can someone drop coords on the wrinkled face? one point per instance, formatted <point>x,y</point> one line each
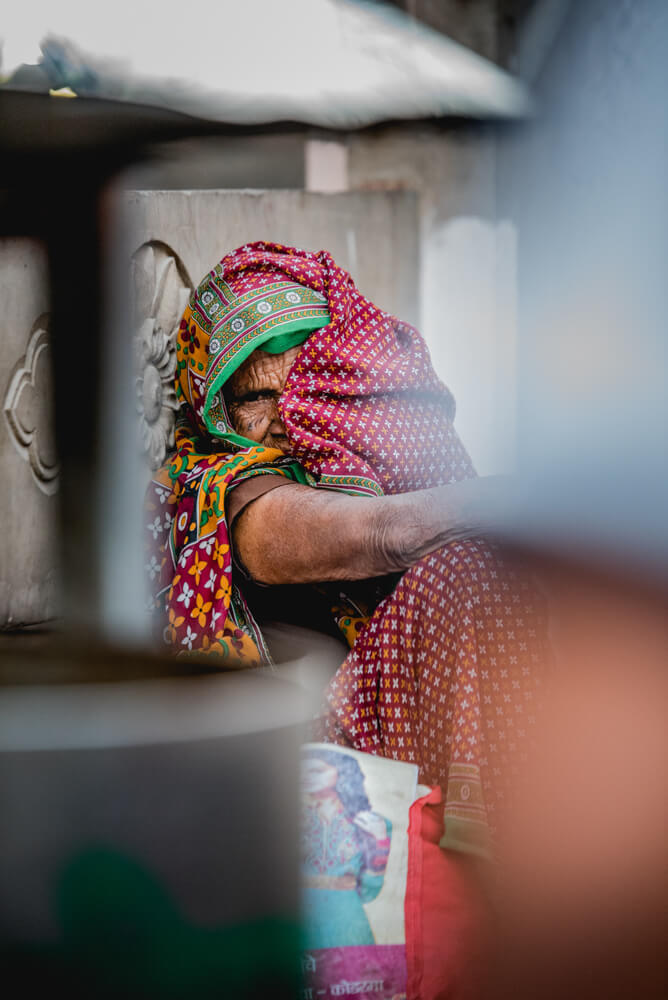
<point>252,395</point>
<point>318,776</point>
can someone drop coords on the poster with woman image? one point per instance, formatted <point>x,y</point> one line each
<point>354,856</point>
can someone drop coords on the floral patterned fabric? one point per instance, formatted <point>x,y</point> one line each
<point>447,675</point>
<point>197,605</point>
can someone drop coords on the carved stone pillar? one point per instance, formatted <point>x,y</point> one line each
<point>160,287</point>
<point>29,476</point>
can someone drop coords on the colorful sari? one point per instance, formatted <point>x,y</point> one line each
<point>443,671</point>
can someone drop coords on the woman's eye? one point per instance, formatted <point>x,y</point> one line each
<point>253,397</point>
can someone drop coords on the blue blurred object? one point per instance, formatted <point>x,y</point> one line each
<point>585,182</point>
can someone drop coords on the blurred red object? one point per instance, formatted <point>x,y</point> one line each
<point>584,854</point>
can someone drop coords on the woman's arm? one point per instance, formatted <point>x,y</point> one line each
<point>298,534</point>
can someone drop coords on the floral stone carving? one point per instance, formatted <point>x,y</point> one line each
<point>161,288</point>
<point>28,408</point>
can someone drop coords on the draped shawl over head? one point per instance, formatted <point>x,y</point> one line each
<point>362,408</point>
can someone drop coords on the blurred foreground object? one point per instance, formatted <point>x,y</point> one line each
<point>584,902</point>
<point>77,145</point>
<point>585,184</point>
<point>332,63</point>
<point>149,846</point>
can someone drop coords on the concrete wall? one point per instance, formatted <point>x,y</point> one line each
<point>467,282</point>
<point>259,161</point>
<point>374,235</point>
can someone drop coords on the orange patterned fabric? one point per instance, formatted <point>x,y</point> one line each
<point>198,607</point>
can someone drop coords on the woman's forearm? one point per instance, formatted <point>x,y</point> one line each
<point>408,526</point>
<point>297,534</point>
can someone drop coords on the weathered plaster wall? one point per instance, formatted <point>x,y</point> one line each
<point>374,235</point>
<point>467,280</point>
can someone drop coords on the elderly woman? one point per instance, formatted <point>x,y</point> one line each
<point>318,479</point>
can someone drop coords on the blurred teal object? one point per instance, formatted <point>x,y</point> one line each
<point>149,840</point>
<point>124,935</point>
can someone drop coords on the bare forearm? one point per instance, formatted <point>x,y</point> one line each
<point>407,527</point>
<point>297,534</point>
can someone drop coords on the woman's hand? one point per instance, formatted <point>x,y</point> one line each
<point>371,822</point>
